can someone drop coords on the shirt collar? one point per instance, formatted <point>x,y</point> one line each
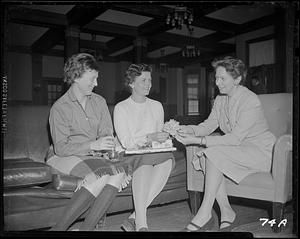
<point>72,96</point>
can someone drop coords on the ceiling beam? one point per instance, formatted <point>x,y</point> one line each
<point>117,44</point>
<point>258,23</point>
<point>111,29</point>
<point>155,46</point>
<point>150,48</point>
<point>33,17</point>
<point>181,41</point>
<point>48,40</point>
<point>89,44</point>
<point>214,24</point>
<point>159,14</point>
<point>209,41</point>
<point>127,56</point>
<point>41,18</point>
<point>79,15</point>
<point>83,14</point>
<point>212,39</point>
<point>148,10</point>
<point>153,27</point>
<point>221,47</point>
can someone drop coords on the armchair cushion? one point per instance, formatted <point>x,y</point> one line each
<point>24,172</point>
<point>278,111</point>
<point>264,180</point>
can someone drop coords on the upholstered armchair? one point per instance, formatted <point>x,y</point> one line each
<point>274,186</point>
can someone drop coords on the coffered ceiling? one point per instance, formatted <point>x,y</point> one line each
<point>41,28</point>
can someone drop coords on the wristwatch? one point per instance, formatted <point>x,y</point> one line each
<point>203,141</point>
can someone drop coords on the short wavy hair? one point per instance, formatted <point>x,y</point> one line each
<point>234,66</point>
<point>77,64</point>
<point>133,71</point>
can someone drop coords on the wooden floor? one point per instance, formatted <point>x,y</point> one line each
<point>174,217</point>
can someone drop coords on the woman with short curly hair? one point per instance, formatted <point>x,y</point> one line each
<point>77,65</point>
<point>244,148</point>
<point>80,124</point>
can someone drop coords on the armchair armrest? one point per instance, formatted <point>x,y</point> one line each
<point>195,179</point>
<point>282,168</point>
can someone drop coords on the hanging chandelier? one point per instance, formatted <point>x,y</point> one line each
<point>191,50</point>
<point>180,16</point>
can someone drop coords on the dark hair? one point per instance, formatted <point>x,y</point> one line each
<point>234,66</point>
<point>77,64</point>
<point>133,71</point>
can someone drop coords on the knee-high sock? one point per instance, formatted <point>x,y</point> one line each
<point>80,202</point>
<point>100,206</point>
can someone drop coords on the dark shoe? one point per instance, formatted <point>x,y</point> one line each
<point>232,225</point>
<point>206,227</point>
<point>128,225</point>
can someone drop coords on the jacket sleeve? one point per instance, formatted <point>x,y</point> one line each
<point>247,115</point>
<point>210,124</point>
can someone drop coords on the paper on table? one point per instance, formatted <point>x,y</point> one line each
<point>149,150</point>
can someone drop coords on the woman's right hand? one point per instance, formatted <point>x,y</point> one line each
<point>103,143</point>
<point>185,130</point>
<point>158,136</point>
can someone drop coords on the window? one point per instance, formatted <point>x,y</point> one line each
<point>193,94</point>
<point>54,92</point>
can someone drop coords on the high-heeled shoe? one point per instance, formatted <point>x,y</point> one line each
<point>232,225</point>
<point>206,227</point>
<point>128,225</point>
<point>143,229</point>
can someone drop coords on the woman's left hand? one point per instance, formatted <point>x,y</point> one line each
<point>188,139</point>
